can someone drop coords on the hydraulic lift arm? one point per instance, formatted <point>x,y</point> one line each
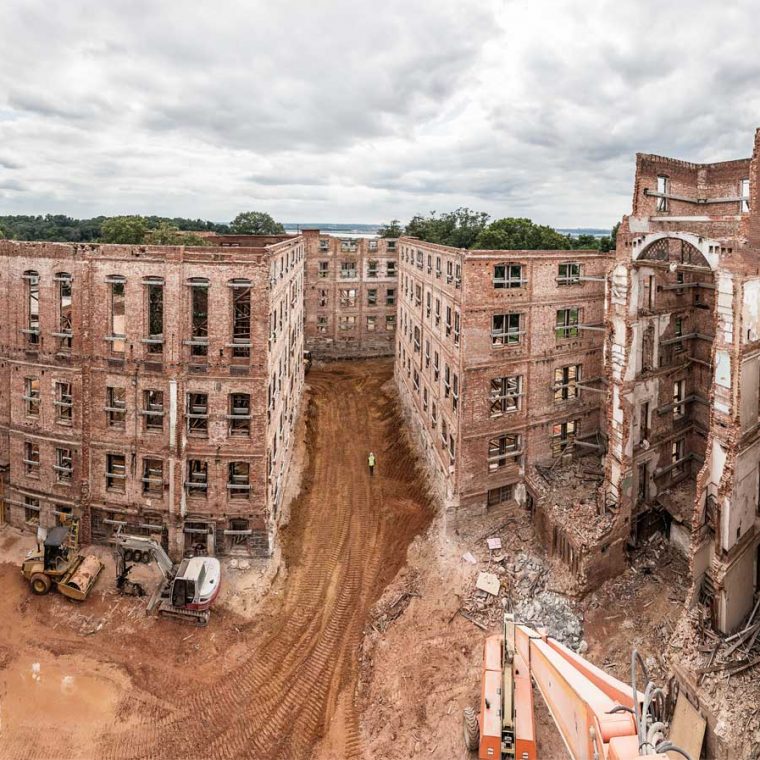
<point>598,716</point>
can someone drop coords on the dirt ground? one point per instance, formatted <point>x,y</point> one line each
<point>415,709</point>
<point>100,680</point>
<point>358,650</point>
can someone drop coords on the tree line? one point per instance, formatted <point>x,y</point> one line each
<point>464,228</point>
<point>132,229</point>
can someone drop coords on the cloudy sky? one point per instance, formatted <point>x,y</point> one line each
<point>361,111</point>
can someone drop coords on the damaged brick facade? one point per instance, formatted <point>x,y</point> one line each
<point>351,295</point>
<point>151,387</point>
<point>499,365</point>
<point>683,342</point>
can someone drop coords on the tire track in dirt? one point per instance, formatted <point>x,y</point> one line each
<point>347,538</point>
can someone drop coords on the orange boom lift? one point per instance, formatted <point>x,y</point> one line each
<point>598,716</point>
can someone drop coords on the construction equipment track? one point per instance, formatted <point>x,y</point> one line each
<point>347,538</point>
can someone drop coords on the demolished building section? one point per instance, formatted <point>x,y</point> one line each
<point>351,295</point>
<point>151,387</point>
<point>683,366</point>
<point>499,365</point>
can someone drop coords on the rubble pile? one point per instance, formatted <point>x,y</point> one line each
<point>727,670</point>
<point>522,589</point>
<point>569,492</point>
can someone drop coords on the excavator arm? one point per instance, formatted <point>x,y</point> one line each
<point>598,716</point>
<point>124,541</point>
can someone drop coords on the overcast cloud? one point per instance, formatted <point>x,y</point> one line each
<point>359,111</point>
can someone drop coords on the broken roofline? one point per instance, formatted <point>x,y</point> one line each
<point>507,253</point>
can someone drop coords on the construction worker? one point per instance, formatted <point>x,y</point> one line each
<point>371,461</point>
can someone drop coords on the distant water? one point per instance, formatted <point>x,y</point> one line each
<point>371,229</point>
<point>342,229</point>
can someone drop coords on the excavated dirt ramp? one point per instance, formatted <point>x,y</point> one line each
<point>276,687</point>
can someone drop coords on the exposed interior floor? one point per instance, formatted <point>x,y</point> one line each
<point>100,680</point>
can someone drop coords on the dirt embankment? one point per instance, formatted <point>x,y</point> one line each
<point>110,683</point>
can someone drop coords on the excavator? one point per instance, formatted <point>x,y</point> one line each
<point>186,591</point>
<point>598,716</point>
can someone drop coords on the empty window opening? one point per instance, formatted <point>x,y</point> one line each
<point>199,317</point>
<point>500,495</point>
<point>116,406</point>
<point>64,312</point>
<point>508,276</point>
<point>348,270</point>
<point>31,459</point>
<point>566,381</point>
<point>155,344</point>
<point>32,330</point>
<point>197,477</point>
<point>31,511</point>
<point>679,409</point>
<point>64,404</point>
<point>502,450</point>
<point>197,414</point>
<point>663,186</point>
<point>32,396</point>
<point>64,467</point>
<point>241,319</point>
<point>677,450</point>
<point>153,478</point>
<point>116,472</point>
<point>239,414</point>
<point>153,409</point>
<point>567,323</point>
<point>506,394</point>
<point>569,273</point>
<point>348,297</point>
<point>238,482</point>
<point>506,329</point>
<point>563,435</point>
<point>118,314</point>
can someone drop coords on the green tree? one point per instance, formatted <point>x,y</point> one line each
<point>124,229</point>
<point>514,233</point>
<point>459,228</point>
<point>392,230</point>
<point>2,234</point>
<point>167,234</point>
<point>255,223</point>
<point>609,243</point>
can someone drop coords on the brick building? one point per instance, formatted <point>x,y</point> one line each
<point>682,371</point>
<point>351,295</point>
<point>151,387</point>
<point>499,363</point>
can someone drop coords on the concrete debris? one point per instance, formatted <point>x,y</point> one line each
<point>469,557</point>
<point>489,583</point>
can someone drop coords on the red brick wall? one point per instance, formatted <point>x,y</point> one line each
<point>91,367</point>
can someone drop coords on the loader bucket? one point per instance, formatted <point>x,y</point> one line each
<point>82,577</point>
